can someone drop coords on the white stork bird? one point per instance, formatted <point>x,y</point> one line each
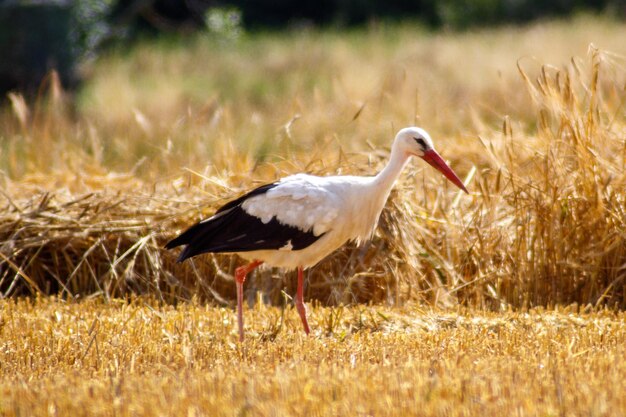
<point>297,221</point>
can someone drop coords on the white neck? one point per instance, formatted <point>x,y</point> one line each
<point>386,178</point>
<point>380,186</point>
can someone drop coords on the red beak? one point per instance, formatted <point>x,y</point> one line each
<point>433,158</point>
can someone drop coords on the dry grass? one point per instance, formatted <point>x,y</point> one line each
<point>164,133</point>
<point>142,358</point>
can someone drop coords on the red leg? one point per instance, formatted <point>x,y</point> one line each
<point>300,301</point>
<point>240,277</point>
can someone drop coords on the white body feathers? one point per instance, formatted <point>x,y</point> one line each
<point>337,208</point>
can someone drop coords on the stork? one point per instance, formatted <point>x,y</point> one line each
<point>297,221</point>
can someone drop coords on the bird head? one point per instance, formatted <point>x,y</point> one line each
<point>415,141</point>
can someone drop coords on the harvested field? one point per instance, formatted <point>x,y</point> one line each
<point>507,301</point>
<point>145,359</point>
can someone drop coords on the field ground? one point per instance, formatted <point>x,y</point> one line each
<point>140,358</point>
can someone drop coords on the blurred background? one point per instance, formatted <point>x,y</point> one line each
<point>39,35</point>
<point>124,121</point>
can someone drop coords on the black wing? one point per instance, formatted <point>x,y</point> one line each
<point>231,229</point>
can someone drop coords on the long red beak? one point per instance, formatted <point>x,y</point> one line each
<point>433,158</point>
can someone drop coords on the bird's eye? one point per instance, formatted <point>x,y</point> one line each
<point>420,142</point>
